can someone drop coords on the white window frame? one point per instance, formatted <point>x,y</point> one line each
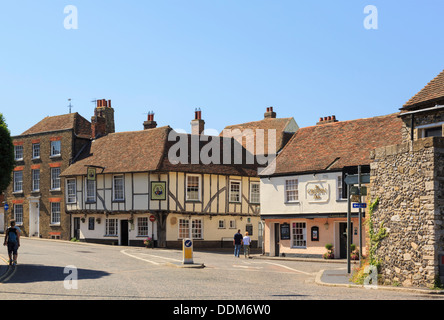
<point>190,228</point>
<point>142,225</point>
<point>71,190</point>
<point>56,146</point>
<point>116,189</point>
<point>199,188</point>
<point>235,196</point>
<point>302,242</point>
<point>55,213</point>
<point>295,184</point>
<point>55,179</point>
<point>18,152</point>
<point>90,198</point>
<point>232,224</point>
<point>18,181</point>
<point>36,151</point>
<point>253,196</point>
<point>221,224</point>
<point>18,214</point>
<point>35,177</point>
<point>111,227</point>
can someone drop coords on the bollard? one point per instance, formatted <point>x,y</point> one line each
<point>187,251</point>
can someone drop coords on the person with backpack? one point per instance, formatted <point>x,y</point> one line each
<point>12,240</point>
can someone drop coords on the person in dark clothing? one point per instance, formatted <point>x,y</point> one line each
<point>237,241</point>
<point>12,240</point>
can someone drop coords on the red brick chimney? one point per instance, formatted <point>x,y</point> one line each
<point>197,125</point>
<point>102,123</point>
<point>270,114</point>
<point>150,123</point>
<point>325,120</point>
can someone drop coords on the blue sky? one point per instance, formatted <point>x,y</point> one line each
<point>231,58</point>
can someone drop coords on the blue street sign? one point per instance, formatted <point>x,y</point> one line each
<point>188,243</point>
<point>359,205</point>
<point>6,207</point>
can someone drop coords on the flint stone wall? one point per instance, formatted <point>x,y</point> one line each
<point>408,179</point>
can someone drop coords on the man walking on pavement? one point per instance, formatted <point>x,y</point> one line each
<point>237,241</point>
<point>12,240</point>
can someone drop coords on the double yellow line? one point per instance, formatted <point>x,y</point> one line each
<point>9,273</point>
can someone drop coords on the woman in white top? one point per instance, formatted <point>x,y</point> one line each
<point>246,242</point>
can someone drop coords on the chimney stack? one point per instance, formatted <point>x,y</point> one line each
<point>325,120</point>
<point>150,123</point>
<point>102,123</point>
<point>270,114</point>
<point>197,125</point>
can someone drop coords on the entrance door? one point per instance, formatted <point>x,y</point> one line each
<point>276,239</point>
<point>343,239</point>
<point>76,223</point>
<point>34,213</point>
<point>124,232</point>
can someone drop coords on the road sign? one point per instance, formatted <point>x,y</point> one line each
<point>354,178</point>
<point>359,205</point>
<point>152,218</point>
<point>187,251</point>
<point>6,207</point>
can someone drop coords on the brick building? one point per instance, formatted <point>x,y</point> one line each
<point>36,194</point>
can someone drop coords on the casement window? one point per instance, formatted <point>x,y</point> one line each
<point>36,150</point>
<point>35,175</point>
<point>111,227</point>
<point>71,191</point>
<point>118,188</point>
<point>142,226</point>
<point>221,224</point>
<point>55,178</point>
<point>193,229</point>
<point>255,196</point>
<point>18,181</point>
<point>56,148</point>
<point>55,212</point>
<point>298,235</point>
<point>18,153</point>
<point>291,190</point>
<point>232,224</point>
<point>90,191</point>
<point>235,191</point>
<point>18,214</point>
<point>193,188</point>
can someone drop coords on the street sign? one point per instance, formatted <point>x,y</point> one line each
<point>359,205</point>
<point>152,218</point>
<point>354,178</point>
<point>6,207</point>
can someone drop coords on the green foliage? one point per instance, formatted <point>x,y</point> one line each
<point>7,161</point>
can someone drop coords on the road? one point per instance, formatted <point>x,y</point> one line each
<point>46,270</point>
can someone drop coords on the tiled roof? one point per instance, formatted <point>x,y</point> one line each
<point>146,150</point>
<point>136,151</point>
<point>81,126</point>
<point>278,124</point>
<point>334,146</point>
<point>433,91</point>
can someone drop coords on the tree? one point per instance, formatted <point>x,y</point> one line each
<point>7,160</point>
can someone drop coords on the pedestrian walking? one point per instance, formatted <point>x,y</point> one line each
<point>237,241</point>
<point>12,240</point>
<point>247,242</point>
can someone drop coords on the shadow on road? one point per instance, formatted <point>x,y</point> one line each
<point>29,273</point>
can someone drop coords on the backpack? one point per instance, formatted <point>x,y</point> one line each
<point>12,234</point>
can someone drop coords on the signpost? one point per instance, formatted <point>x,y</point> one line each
<point>6,207</point>
<point>357,193</point>
<point>152,219</point>
<point>187,251</point>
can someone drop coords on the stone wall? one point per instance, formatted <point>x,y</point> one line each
<point>408,179</point>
